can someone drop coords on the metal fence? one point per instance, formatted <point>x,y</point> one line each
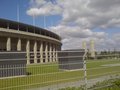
<point>50,76</point>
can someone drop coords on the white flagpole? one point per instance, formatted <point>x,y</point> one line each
<point>52,22</point>
<point>33,20</point>
<point>18,17</point>
<point>44,21</point>
<point>18,13</point>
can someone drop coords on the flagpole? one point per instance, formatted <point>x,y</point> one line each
<point>44,21</point>
<point>18,17</point>
<point>52,22</point>
<point>18,13</point>
<point>34,22</point>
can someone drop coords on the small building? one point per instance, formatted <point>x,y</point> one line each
<point>71,59</point>
<point>12,64</point>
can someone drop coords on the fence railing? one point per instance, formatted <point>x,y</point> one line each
<point>56,75</point>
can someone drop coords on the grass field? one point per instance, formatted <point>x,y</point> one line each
<point>47,74</point>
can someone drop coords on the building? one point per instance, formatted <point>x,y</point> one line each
<point>71,59</point>
<point>39,44</point>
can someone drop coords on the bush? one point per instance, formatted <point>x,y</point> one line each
<point>112,84</point>
<point>117,83</point>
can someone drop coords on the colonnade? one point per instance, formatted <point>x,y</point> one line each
<point>43,51</point>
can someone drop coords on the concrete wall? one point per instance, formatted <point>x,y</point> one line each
<point>12,64</point>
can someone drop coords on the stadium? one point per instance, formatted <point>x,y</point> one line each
<point>39,44</point>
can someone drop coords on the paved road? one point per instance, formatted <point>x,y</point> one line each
<point>75,84</point>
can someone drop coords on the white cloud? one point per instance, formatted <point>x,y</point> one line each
<point>42,7</point>
<point>73,36</point>
<point>79,18</point>
<point>72,31</point>
<point>104,5</point>
<point>92,13</point>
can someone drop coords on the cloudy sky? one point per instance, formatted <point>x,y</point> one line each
<point>74,20</point>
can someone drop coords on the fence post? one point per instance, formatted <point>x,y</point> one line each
<point>85,71</point>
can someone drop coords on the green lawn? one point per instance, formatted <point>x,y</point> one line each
<point>46,74</point>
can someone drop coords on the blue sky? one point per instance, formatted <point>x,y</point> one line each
<point>9,11</point>
<point>99,20</point>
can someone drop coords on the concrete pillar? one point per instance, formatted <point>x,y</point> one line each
<point>50,53</point>
<point>7,25</point>
<point>46,52</point>
<point>28,51</point>
<point>84,46</point>
<point>92,49</point>
<point>8,44</point>
<point>41,52</point>
<point>19,45</point>
<point>35,52</point>
<point>56,53</point>
<point>53,53</point>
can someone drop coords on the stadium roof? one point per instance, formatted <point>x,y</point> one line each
<point>4,23</point>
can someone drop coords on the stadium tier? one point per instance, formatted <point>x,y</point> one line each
<point>39,44</point>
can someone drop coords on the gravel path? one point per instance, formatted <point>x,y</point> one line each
<point>111,65</point>
<point>76,84</point>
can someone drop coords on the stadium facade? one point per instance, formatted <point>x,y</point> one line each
<point>40,45</point>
